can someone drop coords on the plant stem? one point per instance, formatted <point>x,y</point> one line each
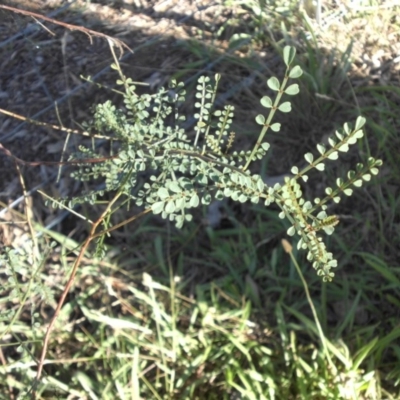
<point>269,119</point>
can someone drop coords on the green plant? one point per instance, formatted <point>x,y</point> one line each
<point>185,173</point>
<point>158,166</point>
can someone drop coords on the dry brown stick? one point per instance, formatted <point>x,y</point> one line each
<point>55,163</point>
<point>28,213</point>
<point>92,235</point>
<point>62,299</point>
<point>64,294</point>
<point>56,127</point>
<point>114,227</point>
<point>119,43</point>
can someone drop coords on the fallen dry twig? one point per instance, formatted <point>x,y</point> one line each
<point>119,43</point>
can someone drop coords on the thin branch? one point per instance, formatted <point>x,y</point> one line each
<point>56,127</point>
<point>55,163</point>
<point>119,43</point>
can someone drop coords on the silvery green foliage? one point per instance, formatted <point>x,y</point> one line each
<point>184,171</point>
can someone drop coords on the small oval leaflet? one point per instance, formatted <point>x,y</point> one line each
<point>276,127</point>
<point>321,149</point>
<point>333,156</point>
<point>273,83</point>
<point>359,123</point>
<point>296,72</point>
<point>157,207</point>
<point>292,89</point>
<point>260,119</point>
<point>265,146</point>
<point>366,177</point>
<point>266,102</point>
<point>289,53</point>
<point>194,200</point>
<point>163,193</point>
<point>170,207</point>
<point>285,107</point>
<point>309,157</point>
